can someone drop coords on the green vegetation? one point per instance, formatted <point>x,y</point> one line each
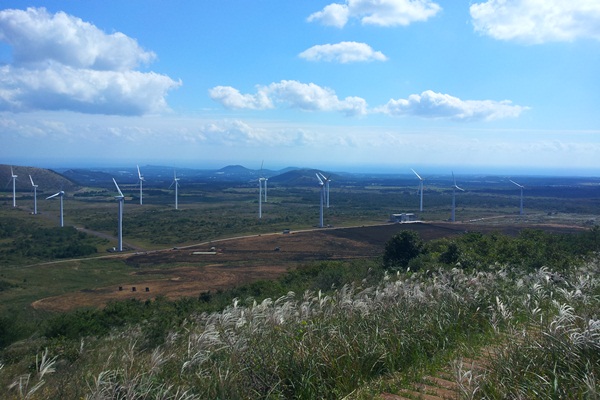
<point>323,330</point>
<point>333,328</point>
<point>26,241</point>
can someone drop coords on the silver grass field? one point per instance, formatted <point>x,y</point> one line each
<point>543,329</point>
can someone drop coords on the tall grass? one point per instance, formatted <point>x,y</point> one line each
<point>318,345</point>
<point>557,351</point>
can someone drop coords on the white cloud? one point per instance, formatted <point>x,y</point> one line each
<point>537,21</point>
<point>63,63</point>
<point>332,15</point>
<point>305,96</point>
<point>37,36</point>
<point>377,12</point>
<point>60,87</point>
<point>344,52</point>
<point>443,106</point>
<point>231,98</point>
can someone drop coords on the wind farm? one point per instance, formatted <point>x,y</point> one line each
<point>220,205</point>
<point>212,244</point>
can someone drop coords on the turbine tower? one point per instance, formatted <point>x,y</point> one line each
<point>34,195</point>
<point>60,194</point>
<point>141,180</point>
<point>176,184</point>
<point>266,180</point>
<point>261,179</point>
<point>322,196</point>
<point>522,187</point>
<point>260,196</point>
<point>121,199</point>
<point>326,180</point>
<point>452,216</point>
<point>420,188</point>
<point>14,180</point>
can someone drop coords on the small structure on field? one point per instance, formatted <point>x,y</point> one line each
<point>403,217</point>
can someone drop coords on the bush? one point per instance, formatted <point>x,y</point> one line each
<point>402,248</point>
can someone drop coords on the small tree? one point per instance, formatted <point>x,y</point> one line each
<point>402,248</point>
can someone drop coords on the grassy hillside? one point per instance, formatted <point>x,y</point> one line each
<point>340,329</point>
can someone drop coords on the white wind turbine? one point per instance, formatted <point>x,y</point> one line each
<point>322,196</point>
<point>60,194</point>
<point>121,199</point>
<point>176,184</point>
<point>261,179</point>
<point>522,187</point>
<point>266,180</point>
<point>14,181</point>
<point>34,195</point>
<point>452,216</point>
<point>420,188</point>
<point>326,180</point>
<point>141,180</point>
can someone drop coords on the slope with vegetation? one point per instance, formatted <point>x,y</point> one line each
<point>337,329</point>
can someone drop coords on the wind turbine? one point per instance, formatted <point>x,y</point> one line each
<point>14,180</point>
<point>522,187</point>
<point>141,180</point>
<point>176,184</point>
<point>34,195</point>
<point>261,179</point>
<point>452,217</point>
<point>327,180</point>
<point>266,180</point>
<point>322,195</point>
<point>420,188</point>
<point>121,199</point>
<point>60,194</point>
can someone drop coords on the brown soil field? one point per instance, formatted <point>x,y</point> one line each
<point>247,259</point>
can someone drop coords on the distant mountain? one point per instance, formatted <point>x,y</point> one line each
<point>301,177</point>
<point>234,169</point>
<point>46,179</point>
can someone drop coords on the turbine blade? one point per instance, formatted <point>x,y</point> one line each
<point>418,176</point>
<point>54,195</point>
<point>118,189</point>
<point>31,179</point>
<point>139,173</point>
<point>319,178</point>
<point>521,186</point>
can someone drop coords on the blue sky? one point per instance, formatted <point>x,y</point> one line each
<point>498,85</point>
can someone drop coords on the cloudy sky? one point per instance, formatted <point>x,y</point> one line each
<point>491,85</point>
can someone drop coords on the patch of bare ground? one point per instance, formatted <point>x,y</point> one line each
<point>176,283</point>
<point>247,259</point>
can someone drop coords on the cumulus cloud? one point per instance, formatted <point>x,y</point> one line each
<point>376,12</point>
<point>534,21</point>
<point>63,63</point>
<point>343,52</point>
<point>443,106</point>
<point>231,98</point>
<point>305,96</point>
